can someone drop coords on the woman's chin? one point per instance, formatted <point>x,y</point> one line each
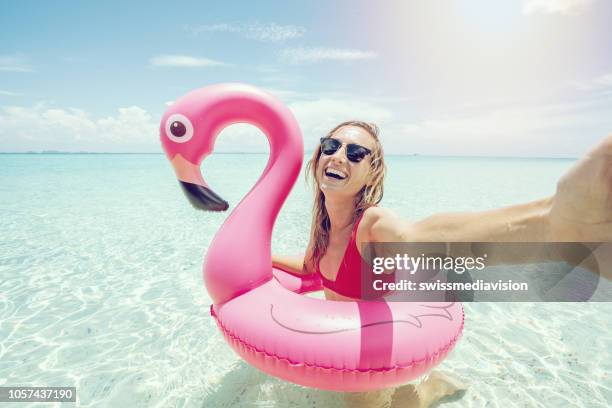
<point>336,190</point>
<point>332,186</point>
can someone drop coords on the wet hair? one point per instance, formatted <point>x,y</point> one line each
<point>371,194</point>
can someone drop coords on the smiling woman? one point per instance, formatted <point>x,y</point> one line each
<point>348,172</point>
<point>348,168</point>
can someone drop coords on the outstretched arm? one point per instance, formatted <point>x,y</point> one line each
<point>520,223</point>
<point>524,223</point>
<point>580,211</point>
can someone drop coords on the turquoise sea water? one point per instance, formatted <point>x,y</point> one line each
<point>101,286</point>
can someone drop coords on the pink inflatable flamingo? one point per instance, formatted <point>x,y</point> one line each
<point>341,346</point>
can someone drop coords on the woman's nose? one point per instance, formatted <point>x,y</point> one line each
<point>339,155</point>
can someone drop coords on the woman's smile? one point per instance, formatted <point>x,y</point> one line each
<point>333,177</point>
<point>335,173</point>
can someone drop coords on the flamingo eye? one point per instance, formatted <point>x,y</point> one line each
<point>179,128</point>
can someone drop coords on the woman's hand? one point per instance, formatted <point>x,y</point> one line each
<point>290,263</point>
<point>582,206</point>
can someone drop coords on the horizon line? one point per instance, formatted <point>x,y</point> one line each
<point>58,152</point>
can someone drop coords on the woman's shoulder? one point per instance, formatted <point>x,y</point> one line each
<point>374,218</point>
<point>374,214</point>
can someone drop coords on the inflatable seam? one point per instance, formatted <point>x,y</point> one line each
<point>435,356</point>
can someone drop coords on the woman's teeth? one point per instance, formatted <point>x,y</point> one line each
<point>337,174</point>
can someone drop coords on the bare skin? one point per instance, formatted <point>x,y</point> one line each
<point>435,387</point>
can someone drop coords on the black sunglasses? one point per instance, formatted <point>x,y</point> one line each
<point>354,152</point>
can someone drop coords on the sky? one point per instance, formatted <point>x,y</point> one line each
<point>529,78</point>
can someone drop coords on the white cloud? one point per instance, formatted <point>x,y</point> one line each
<point>269,32</point>
<point>132,124</point>
<point>515,129</point>
<point>8,93</point>
<point>315,117</point>
<point>594,84</point>
<point>43,128</point>
<point>274,32</point>
<point>242,138</point>
<point>544,130</point>
<point>10,63</point>
<point>184,61</point>
<point>555,6</point>
<point>221,27</point>
<point>316,54</point>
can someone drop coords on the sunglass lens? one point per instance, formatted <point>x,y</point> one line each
<point>329,146</point>
<point>355,153</point>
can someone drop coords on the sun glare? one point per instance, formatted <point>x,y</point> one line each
<point>490,16</point>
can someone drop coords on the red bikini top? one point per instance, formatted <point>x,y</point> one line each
<point>349,277</point>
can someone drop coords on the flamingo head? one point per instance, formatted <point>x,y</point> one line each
<point>187,136</point>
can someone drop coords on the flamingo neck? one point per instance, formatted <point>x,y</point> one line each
<point>239,257</point>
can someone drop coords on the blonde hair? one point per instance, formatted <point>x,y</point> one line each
<point>368,196</point>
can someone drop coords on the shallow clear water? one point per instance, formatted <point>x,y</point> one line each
<point>101,286</point>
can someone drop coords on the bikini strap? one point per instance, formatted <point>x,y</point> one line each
<point>356,226</point>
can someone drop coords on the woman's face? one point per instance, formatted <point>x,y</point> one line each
<point>336,173</point>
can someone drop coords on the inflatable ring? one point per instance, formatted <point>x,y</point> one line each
<point>341,346</point>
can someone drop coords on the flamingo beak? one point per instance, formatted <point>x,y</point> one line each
<point>196,190</point>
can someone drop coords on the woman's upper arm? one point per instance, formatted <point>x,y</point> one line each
<point>308,265</point>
